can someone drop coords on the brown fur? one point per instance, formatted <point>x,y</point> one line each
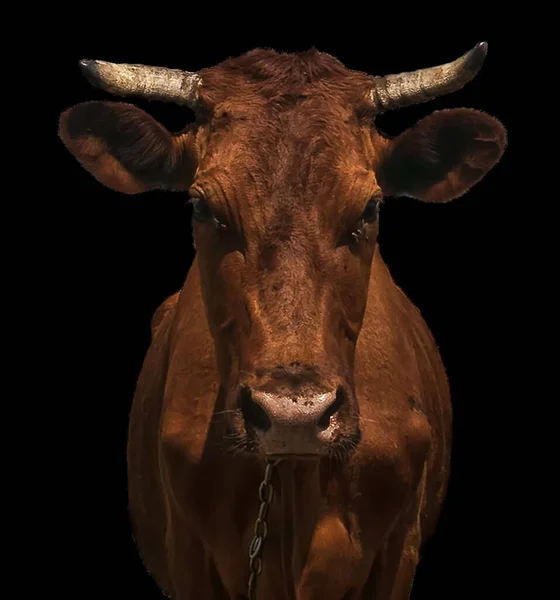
<point>286,154</point>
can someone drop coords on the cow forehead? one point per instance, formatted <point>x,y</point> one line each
<point>273,167</point>
<point>299,149</point>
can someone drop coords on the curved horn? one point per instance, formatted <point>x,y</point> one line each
<point>405,89</point>
<point>153,83</point>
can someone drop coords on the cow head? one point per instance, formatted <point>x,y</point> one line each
<point>286,172</point>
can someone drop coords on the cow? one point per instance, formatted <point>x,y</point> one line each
<point>290,433</point>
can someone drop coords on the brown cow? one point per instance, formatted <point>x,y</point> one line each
<point>289,341</point>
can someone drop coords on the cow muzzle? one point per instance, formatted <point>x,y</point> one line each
<point>302,424</point>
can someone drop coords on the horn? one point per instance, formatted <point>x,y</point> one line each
<point>153,83</point>
<point>405,89</point>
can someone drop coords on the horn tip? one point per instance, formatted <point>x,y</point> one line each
<point>481,48</point>
<point>90,71</point>
<point>86,63</point>
<point>475,57</point>
<point>479,52</point>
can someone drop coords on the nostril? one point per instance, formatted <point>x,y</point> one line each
<point>325,419</point>
<point>254,415</point>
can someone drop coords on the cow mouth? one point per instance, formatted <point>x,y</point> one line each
<point>337,450</point>
<point>294,456</point>
<point>241,441</point>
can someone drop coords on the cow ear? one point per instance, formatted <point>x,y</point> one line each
<point>443,155</point>
<point>125,148</point>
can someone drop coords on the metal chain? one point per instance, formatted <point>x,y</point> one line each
<point>266,491</point>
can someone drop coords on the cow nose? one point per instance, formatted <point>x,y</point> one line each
<point>291,423</point>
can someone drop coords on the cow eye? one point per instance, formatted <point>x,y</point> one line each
<point>370,212</point>
<point>201,209</point>
<point>368,216</point>
<point>203,213</point>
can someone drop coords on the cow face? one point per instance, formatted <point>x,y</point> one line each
<point>286,173</point>
<point>285,225</point>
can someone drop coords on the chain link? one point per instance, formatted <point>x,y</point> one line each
<point>266,492</point>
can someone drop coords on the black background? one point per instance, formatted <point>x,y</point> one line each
<point>120,256</point>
